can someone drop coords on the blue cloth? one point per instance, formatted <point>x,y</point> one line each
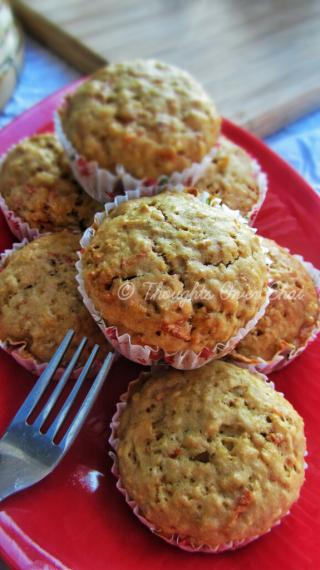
<point>299,144</point>
<point>44,73</point>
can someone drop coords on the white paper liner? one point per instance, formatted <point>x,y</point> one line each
<point>287,355</point>
<point>103,185</point>
<point>175,540</point>
<point>16,351</point>
<point>18,227</point>
<point>146,355</point>
<point>262,181</point>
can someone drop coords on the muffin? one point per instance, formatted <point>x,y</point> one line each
<point>235,178</point>
<point>147,116</point>
<point>209,458</point>
<point>160,270</point>
<point>37,185</point>
<point>290,319</point>
<point>39,300</point>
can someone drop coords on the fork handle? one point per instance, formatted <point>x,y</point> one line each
<point>15,473</point>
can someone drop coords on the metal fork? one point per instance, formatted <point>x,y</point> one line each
<point>27,455</point>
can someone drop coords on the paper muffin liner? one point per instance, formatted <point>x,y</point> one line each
<point>262,181</point>
<point>18,227</point>
<point>175,540</point>
<point>288,353</point>
<point>104,186</point>
<point>147,355</point>
<point>16,349</point>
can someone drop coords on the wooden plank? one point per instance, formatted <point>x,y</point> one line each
<point>260,60</point>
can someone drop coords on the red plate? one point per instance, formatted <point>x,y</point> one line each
<point>76,518</point>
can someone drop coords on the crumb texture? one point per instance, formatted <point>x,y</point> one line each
<point>292,314</point>
<point>213,455</point>
<point>191,269</point>
<point>38,186</point>
<point>231,177</point>
<point>39,299</point>
<point>148,116</point>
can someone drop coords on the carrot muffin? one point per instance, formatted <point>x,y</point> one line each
<point>175,273</point>
<point>39,299</point>
<point>292,315</point>
<point>36,183</point>
<point>148,116</point>
<point>212,457</point>
<point>232,176</point>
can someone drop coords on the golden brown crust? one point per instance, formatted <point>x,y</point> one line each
<point>148,116</point>
<point>38,186</point>
<point>231,177</point>
<point>39,300</point>
<point>292,314</point>
<point>178,257</point>
<point>213,455</point>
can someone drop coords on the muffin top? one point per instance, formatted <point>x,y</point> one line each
<point>213,455</point>
<point>292,314</point>
<point>37,184</point>
<point>39,299</point>
<point>231,176</point>
<point>148,116</point>
<point>174,272</point>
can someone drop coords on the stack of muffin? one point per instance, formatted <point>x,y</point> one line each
<point>208,454</point>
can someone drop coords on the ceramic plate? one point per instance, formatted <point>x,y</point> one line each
<point>76,518</point>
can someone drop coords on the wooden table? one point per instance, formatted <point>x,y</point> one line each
<point>259,59</point>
